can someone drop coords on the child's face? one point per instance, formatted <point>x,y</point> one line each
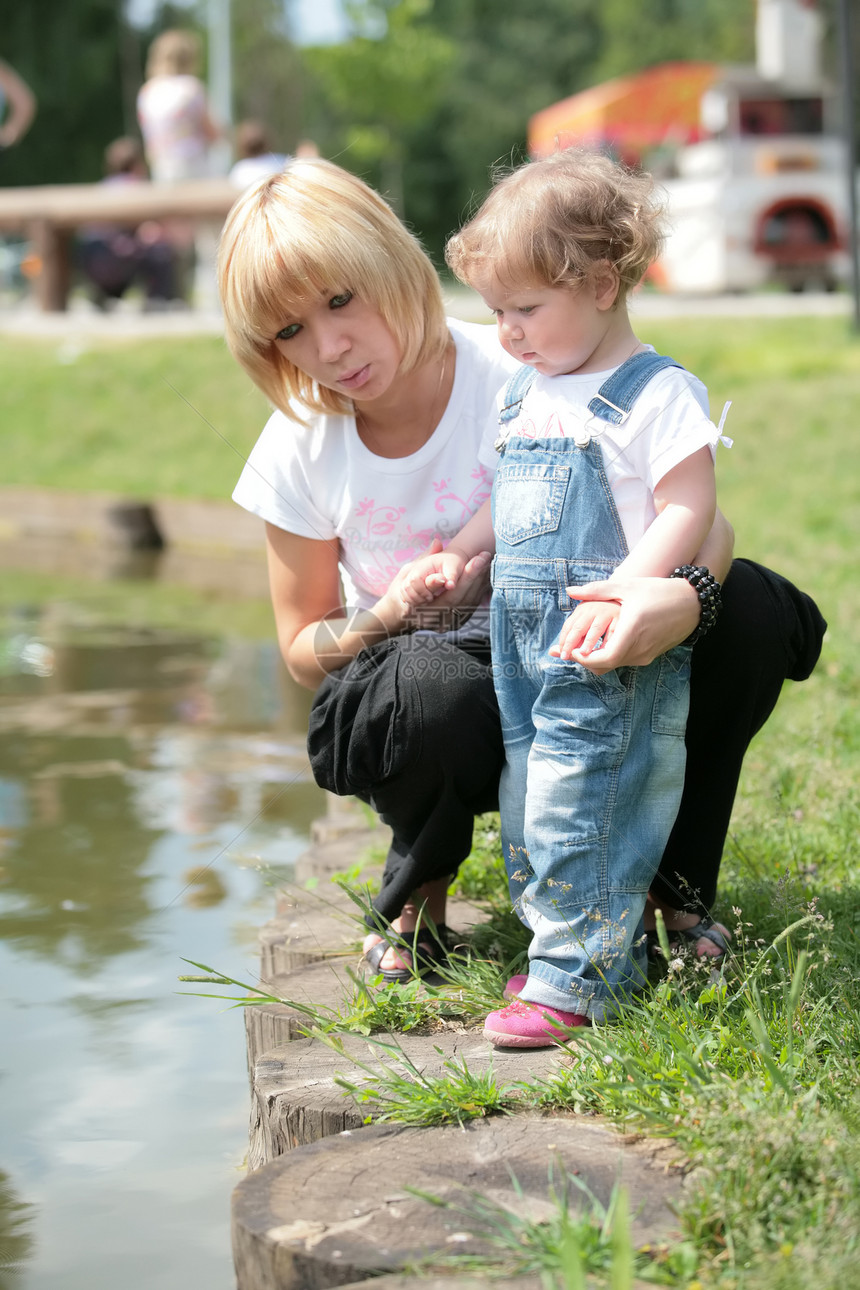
<point>343,343</point>
<point>556,330</point>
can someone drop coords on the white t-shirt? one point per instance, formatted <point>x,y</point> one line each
<point>669,421</point>
<point>320,481</point>
<point>248,170</point>
<point>172,113</point>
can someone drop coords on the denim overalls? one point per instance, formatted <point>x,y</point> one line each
<point>595,764</point>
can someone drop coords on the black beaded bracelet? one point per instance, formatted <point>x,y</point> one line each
<point>709,592</point>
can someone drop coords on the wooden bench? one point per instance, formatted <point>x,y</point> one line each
<point>49,214</point>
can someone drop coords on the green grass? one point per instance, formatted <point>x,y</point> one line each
<point>140,418</point>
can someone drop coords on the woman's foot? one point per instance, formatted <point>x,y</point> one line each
<point>711,940</point>
<point>400,956</point>
<point>393,958</point>
<point>425,910</point>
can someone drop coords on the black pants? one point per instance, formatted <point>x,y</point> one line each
<point>411,727</point>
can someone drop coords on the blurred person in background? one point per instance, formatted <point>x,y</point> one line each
<point>17,106</point>
<point>173,110</point>
<point>114,257</point>
<point>255,157</point>
<point>178,131</point>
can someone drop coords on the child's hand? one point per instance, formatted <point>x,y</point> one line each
<point>429,576</point>
<point>590,623</point>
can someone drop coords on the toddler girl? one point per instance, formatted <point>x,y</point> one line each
<point>604,463</point>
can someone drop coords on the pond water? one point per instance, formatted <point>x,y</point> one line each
<point>154,791</point>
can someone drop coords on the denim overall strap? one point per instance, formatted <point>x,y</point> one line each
<point>515,391</point>
<point>612,402</point>
<point>616,396</point>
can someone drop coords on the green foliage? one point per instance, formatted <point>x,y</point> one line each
<point>669,30</point>
<point>79,98</point>
<point>370,1010</point>
<point>392,70</point>
<point>578,1239</point>
<point>359,878</point>
<point>482,874</point>
<point>400,1092</point>
<point>268,71</point>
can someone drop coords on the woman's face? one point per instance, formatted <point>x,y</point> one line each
<point>343,343</point>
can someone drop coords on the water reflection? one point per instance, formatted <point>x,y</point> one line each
<point>153,791</point>
<point>16,1243</point>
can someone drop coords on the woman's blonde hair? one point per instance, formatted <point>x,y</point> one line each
<point>175,52</point>
<point>550,223</point>
<point>311,229</point>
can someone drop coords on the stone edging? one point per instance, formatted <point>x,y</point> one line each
<point>324,1202</point>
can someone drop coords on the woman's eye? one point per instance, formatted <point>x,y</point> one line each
<point>288,332</point>
<point>526,309</point>
<point>338,302</point>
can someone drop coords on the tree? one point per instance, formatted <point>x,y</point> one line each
<point>268,73</point>
<point>513,59</point>
<point>639,36</point>
<point>383,84</point>
<point>69,55</point>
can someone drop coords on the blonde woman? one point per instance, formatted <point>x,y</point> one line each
<point>371,458</point>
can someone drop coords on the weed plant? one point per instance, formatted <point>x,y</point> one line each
<point>400,1091</point>
<point>564,1249</point>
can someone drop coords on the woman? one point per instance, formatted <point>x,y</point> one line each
<point>335,312</point>
<point>173,109</point>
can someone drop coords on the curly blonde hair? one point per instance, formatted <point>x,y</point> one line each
<point>552,222</point>
<point>316,228</point>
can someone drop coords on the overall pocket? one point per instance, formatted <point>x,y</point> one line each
<point>528,500</point>
<point>672,692</point>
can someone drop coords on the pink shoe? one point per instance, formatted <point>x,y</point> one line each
<point>515,986</point>
<point>530,1025</point>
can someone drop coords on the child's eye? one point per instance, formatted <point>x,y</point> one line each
<point>338,302</point>
<point>526,309</point>
<point>288,332</point>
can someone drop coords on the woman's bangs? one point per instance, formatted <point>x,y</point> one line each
<point>299,270</point>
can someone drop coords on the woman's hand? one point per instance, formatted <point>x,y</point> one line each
<point>656,613</point>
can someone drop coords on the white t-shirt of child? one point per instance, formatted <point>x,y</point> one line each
<point>320,481</point>
<point>668,423</point>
